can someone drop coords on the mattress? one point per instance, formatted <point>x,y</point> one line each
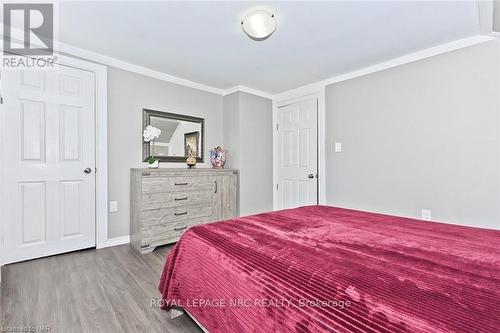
<point>327,269</point>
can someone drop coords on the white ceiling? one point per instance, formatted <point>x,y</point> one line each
<point>203,41</point>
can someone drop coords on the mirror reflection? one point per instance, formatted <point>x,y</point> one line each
<point>177,138</point>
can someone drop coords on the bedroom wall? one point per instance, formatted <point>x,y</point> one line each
<point>248,137</point>
<point>256,151</point>
<point>231,129</point>
<point>425,135</point>
<point>128,94</point>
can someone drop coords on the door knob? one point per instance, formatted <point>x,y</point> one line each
<point>311,175</point>
<point>87,170</point>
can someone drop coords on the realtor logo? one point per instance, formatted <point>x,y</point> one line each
<point>28,29</point>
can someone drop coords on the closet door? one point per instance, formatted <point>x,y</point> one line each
<point>49,162</point>
<point>297,154</point>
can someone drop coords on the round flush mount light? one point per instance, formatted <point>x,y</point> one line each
<point>259,24</point>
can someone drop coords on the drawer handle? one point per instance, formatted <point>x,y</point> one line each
<point>180,199</point>
<point>179,214</point>
<point>145,174</point>
<point>176,184</point>
<point>180,228</point>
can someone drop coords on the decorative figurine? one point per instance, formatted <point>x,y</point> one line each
<point>191,162</point>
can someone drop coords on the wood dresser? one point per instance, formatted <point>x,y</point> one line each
<point>165,202</point>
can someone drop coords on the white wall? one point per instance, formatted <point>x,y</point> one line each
<point>256,151</point>
<point>496,16</point>
<point>231,129</point>
<point>248,138</point>
<point>422,135</point>
<point>128,94</point>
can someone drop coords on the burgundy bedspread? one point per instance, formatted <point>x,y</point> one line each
<point>326,269</point>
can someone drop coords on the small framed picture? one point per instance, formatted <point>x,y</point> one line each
<point>191,141</point>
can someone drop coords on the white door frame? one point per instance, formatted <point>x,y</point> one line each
<point>317,93</point>
<point>101,149</point>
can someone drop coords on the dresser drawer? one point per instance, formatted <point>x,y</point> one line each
<point>175,199</point>
<point>176,214</point>
<point>154,233</point>
<point>177,184</point>
<point>164,232</point>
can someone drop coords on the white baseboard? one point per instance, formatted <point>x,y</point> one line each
<point>118,241</point>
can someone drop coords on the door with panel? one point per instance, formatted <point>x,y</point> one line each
<point>297,150</point>
<point>49,162</point>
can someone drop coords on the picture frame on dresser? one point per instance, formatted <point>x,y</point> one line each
<point>165,202</point>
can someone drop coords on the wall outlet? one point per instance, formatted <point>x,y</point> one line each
<point>338,147</point>
<point>426,215</point>
<point>113,206</point>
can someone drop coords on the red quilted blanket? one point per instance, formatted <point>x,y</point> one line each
<point>326,269</point>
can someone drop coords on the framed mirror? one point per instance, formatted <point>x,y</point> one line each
<point>181,136</point>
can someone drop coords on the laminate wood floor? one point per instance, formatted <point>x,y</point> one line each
<point>108,290</point>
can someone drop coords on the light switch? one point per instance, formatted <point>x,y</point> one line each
<point>113,206</point>
<point>338,147</point>
<point>426,215</point>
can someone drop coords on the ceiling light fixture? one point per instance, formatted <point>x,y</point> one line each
<point>259,24</point>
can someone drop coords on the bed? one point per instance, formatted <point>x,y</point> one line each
<point>327,269</point>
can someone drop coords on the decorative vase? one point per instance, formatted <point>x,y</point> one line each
<point>154,165</point>
<point>218,158</point>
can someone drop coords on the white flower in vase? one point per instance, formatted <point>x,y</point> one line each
<point>150,134</point>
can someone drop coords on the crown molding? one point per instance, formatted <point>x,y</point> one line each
<point>70,50</point>
<point>248,90</point>
<point>113,62</point>
<point>303,90</point>
<point>292,93</point>
<point>230,91</point>
<point>406,59</point>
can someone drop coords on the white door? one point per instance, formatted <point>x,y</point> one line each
<point>49,162</point>
<point>297,147</point>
